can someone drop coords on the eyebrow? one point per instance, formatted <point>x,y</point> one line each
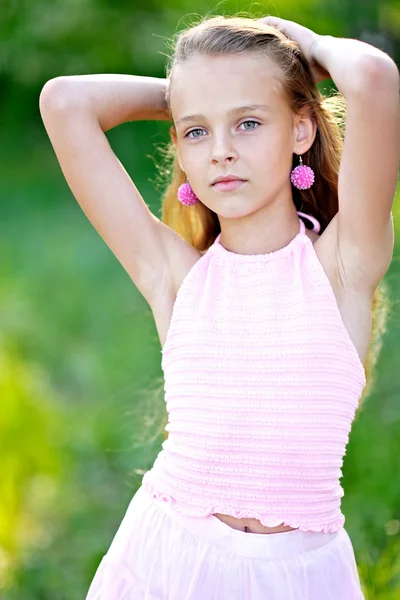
<point>237,109</point>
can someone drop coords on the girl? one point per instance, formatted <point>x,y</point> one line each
<point>264,324</point>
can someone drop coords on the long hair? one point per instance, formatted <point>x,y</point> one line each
<point>230,35</point>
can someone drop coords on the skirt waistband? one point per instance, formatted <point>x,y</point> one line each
<point>257,545</point>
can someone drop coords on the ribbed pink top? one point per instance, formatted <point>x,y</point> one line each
<point>262,382</point>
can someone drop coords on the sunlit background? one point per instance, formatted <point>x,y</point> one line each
<point>82,409</point>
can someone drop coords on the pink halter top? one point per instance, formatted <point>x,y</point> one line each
<point>262,381</point>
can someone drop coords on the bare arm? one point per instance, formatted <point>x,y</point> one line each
<point>76,111</point>
<point>369,80</point>
<point>114,98</point>
<point>345,60</point>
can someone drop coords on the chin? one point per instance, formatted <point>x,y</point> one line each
<point>234,210</point>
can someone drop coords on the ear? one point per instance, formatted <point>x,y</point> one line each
<point>173,134</point>
<point>175,141</point>
<point>305,130</point>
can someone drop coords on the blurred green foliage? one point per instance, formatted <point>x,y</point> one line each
<point>81,389</point>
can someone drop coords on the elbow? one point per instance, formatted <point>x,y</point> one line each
<point>378,71</point>
<point>56,94</point>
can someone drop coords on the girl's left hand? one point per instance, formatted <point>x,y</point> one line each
<point>306,38</point>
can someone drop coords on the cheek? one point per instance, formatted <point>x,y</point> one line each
<point>264,147</point>
<point>275,154</point>
<point>191,163</point>
<point>194,157</point>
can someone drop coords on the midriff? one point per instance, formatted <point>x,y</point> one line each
<point>251,525</point>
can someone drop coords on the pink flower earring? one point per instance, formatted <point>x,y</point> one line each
<point>302,176</point>
<point>186,195</point>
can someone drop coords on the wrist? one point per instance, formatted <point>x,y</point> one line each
<point>315,48</point>
<point>318,54</point>
<point>313,45</point>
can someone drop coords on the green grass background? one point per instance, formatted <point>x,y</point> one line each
<point>81,391</point>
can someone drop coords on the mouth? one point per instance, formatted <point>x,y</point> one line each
<point>227,186</point>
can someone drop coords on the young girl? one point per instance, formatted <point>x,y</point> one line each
<point>264,324</point>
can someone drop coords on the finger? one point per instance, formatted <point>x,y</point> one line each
<point>274,21</point>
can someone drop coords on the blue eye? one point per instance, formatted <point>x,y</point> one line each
<point>199,129</point>
<point>250,121</point>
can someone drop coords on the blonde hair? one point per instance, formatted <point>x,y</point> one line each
<point>229,35</point>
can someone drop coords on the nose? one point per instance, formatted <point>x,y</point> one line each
<point>223,149</point>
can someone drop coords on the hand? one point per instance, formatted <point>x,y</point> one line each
<point>305,38</point>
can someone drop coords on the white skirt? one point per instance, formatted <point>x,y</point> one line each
<point>159,554</point>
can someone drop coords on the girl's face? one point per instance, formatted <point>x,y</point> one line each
<point>214,135</point>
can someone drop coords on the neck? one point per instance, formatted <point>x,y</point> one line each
<point>266,230</point>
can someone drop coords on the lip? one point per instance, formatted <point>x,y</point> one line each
<point>227,177</point>
<point>227,186</point>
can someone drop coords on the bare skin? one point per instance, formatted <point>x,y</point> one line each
<point>354,306</point>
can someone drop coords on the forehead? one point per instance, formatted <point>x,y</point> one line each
<point>217,83</point>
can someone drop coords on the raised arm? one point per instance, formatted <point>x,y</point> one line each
<point>76,111</point>
<point>113,98</point>
<point>369,80</point>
